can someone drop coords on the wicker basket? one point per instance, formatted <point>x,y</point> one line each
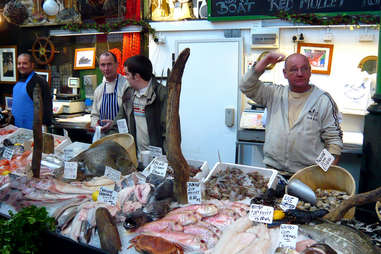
<point>378,208</point>
<point>336,178</point>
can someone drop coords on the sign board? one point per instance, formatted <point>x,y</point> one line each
<point>246,8</point>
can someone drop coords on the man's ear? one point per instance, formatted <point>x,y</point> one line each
<point>284,73</point>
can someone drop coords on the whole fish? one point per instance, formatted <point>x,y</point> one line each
<point>340,237</point>
<point>92,161</point>
<point>108,232</point>
<point>319,248</point>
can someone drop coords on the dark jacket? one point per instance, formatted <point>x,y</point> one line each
<point>46,95</point>
<point>155,110</point>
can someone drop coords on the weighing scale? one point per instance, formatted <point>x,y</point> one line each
<point>69,105</point>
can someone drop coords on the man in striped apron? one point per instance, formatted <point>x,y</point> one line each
<point>108,95</point>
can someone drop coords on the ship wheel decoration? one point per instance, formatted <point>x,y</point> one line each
<point>43,50</point>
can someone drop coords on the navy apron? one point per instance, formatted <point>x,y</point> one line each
<point>109,107</point>
<point>22,107</point>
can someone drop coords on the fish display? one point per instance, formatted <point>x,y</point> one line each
<point>341,238</point>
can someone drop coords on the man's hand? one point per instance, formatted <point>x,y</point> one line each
<point>105,124</point>
<point>270,58</point>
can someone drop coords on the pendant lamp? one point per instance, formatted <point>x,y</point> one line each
<point>50,7</point>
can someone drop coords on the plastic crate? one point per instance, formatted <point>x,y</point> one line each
<point>266,172</point>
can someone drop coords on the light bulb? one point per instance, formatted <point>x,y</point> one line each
<point>50,7</point>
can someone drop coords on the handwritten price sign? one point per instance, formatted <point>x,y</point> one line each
<point>261,213</point>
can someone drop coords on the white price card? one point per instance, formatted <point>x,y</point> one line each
<point>108,196</point>
<point>70,170</point>
<point>112,174</point>
<point>65,133</point>
<point>261,213</point>
<point>122,126</point>
<point>156,151</point>
<point>288,202</point>
<point>159,167</point>
<point>194,192</point>
<point>325,159</point>
<point>288,235</point>
<point>68,154</point>
<point>8,153</point>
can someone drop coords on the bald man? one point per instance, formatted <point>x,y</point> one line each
<point>302,119</point>
<point>22,108</point>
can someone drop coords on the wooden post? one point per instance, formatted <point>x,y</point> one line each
<point>175,156</point>
<point>37,131</point>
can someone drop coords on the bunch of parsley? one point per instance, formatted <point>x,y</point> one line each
<point>22,232</point>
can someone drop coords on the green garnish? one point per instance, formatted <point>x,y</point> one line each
<point>23,231</point>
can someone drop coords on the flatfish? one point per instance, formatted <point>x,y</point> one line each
<point>341,238</point>
<point>92,161</point>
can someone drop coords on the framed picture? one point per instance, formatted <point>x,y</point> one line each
<point>46,74</point>
<point>8,103</point>
<point>319,55</point>
<point>84,59</point>
<point>8,57</point>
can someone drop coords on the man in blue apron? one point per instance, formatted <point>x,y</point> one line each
<point>22,108</point>
<point>108,95</point>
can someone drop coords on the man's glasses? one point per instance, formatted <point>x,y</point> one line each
<point>295,70</point>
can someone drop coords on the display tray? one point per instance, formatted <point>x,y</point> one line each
<point>266,172</point>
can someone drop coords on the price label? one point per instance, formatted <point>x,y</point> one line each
<point>288,235</point>
<point>122,126</point>
<point>65,133</point>
<point>288,202</point>
<point>261,213</point>
<point>325,159</point>
<point>159,167</point>
<point>68,154</point>
<point>155,151</point>
<point>108,196</point>
<point>8,153</point>
<point>70,170</point>
<point>112,174</point>
<point>194,192</point>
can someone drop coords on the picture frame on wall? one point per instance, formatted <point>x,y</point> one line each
<point>84,59</point>
<point>8,60</point>
<point>319,56</point>
<point>8,103</point>
<point>46,74</point>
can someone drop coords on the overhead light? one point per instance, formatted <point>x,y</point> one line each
<point>128,29</point>
<point>50,7</point>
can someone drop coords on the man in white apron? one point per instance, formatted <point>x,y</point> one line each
<point>22,108</point>
<point>108,95</point>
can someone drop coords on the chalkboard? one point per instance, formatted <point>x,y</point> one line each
<point>239,8</point>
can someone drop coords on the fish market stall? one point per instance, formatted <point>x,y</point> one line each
<point>97,197</point>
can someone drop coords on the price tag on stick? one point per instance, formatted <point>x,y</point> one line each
<point>261,213</point>
<point>288,235</point>
<point>156,151</point>
<point>108,196</point>
<point>194,192</point>
<point>112,174</point>
<point>70,170</point>
<point>288,202</point>
<point>324,160</point>
<point>122,126</point>
<point>159,167</point>
<point>8,153</point>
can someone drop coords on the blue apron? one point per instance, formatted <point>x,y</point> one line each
<point>22,107</point>
<point>109,107</point>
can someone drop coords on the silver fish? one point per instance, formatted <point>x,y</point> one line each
<point>342,239</point>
